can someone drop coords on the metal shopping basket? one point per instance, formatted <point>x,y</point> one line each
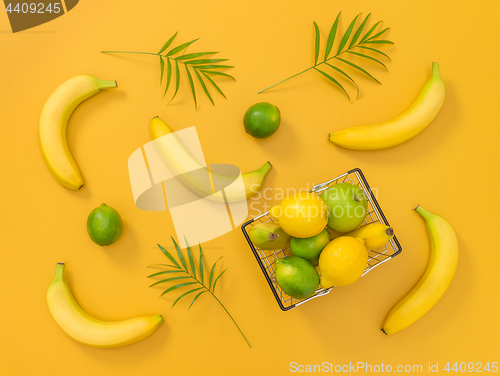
<point>266,258</point>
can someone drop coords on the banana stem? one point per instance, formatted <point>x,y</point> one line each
<point>59,272</point>
<point>423,213</point>
<point>103,84</point>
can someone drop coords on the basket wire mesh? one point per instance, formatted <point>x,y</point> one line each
<point>267,258</point>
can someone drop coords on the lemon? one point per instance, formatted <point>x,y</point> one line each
<point>262,120</point>
<point>342,261</point>
<point>104,225</point>
<point>301,215</point>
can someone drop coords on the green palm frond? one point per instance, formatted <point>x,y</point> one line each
<point>190,273</point>
<point>352,43</point>
<point>169,66</point>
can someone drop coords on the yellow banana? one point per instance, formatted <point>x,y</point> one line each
<point>53,124</point>
<point>401,129</point>
<point>86,329</point>
<point>179,161</point>
<point>375,235</point>
<point>436,279</point>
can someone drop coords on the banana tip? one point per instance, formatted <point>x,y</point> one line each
<point>415,208</point>
<point>383,331</point>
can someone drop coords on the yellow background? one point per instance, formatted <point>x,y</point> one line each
<point>450,169</point>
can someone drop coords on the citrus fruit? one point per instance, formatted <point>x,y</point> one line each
<point>262,120</point>
<point>342,261</point>
<point>104,225</point>
<point>301,215</point>
<point>310,248</point>
<point>296,276</point>
<point>347,204</point>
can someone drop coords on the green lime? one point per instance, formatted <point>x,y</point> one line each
<point>262,120</point>
<point>310,248</point>
<point>104,225</point>
<point>296,277</point>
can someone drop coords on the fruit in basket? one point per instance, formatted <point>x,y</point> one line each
<point>296,277</point>
<point>347,203</point>
<point>179,161</point>
<point>262,120</point>
<point>310,248</point>
<point>436,279</point>
<point>342,262</point>
<point>375,234</point>
<point>104,225</point>
<point>54,121</point>
<point>401,129</point>
<point>301,215</point>
<point>88,330</point>
<point>269,236</point>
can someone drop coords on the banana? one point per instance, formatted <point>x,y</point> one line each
<point>401,129</point>
<point>53,124</point>
<point>89,331</point>
<point>375,235</point>
<point>436,279</point>
<point>179,161</point>
<point>269,236</point>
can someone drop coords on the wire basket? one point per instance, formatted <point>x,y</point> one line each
<point>267,258</point>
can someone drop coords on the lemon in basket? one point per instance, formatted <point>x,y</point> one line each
<point>301,215</point>
<point>342,261</point>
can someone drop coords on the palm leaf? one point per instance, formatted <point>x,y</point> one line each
<point>183,295</point>
<point>212,81</point>
<point>180,255</point>
<point>201,265</point>
<point>378,41</point>
<point>370,32</point>
<point>166,253</point>
<point>331,36</point>
<point>214,66</point>
<point>157,265</point>
<point>164,272</point>
<point>175,287</point>
<point>347,34</point>
<point>347,76</point>
<point>374,50</point>
<point>190,258</point>
<point>358,68</point>
<point>177,79</point>
<point>169,76</point>
<point>358,32</point>
<point>217,73</point>
<point>196,298</point>
<point>378,34</point>
<point>316,45</point>
<point>216,279</point>
<point>200,282</point>
<point>202,83</point>
<point>204,61</point>
<point>333,80</point>
<point>212,274</point>
<point>162,68</point>
<point>194,55</point>
<point>367,57</point>
<point>168,280</point>
<point>167,43</point>
<point>177,49</point>
<point>192,86</point>
<point>168,55</point>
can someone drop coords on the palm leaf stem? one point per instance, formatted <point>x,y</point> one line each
<point>313,67</point>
